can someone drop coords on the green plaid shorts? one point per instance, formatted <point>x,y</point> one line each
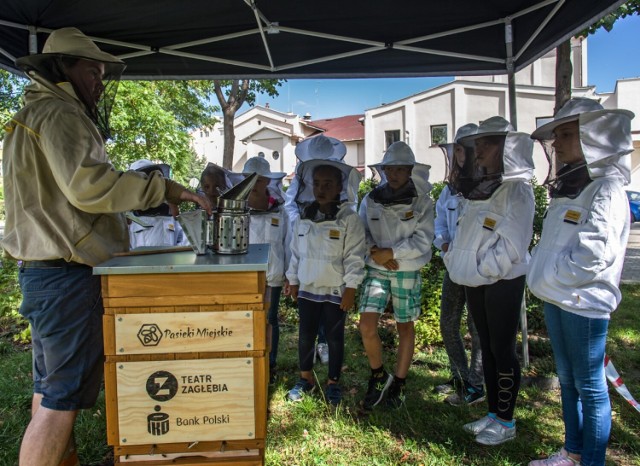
<point>402,287</point>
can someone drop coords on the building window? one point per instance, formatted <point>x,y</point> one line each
<point>438,134</point>
<point>261,154</point>
<point>275,155</point>
<point>391,136</point>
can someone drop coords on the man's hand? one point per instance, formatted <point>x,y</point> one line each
<point>348,299</point>
<point>445,247</point>
<point>201,200</point>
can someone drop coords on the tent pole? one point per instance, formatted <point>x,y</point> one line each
<point>513,118</point>
<point>511,76</point>
<point>33,40</point>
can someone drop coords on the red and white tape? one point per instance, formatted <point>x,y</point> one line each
<point>615,379</point>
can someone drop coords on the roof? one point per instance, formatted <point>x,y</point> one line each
<point>345,128</point>
<point>229,39</point>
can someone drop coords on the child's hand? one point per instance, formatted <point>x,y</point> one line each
<point>293,292</point>
<point>348,299</point>
<point>391,265</point>
<point>285,289</point>
<point>381,255</point>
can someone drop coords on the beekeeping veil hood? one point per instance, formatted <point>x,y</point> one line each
<point>605,138</point>
<point>304,173</point>
<point>455,165</point>
<point>400,154</point>
<point>70,43</point>
<point>261,166</point>
<point>515,159</point>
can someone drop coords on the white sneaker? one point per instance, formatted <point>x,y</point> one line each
<point>478,426</point>
<point>323,352</point>
<point>561,458</point>
<point>495,434</point>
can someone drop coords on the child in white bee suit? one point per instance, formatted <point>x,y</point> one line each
<point>576,266</point>
<point>489,257</point>
<point>467,378</point>
<point>215,180</point>
<point>398,218</point>
<point>269,224</point>
<point>317,147</point>
<point>155,226</point>
<point>326,266</point>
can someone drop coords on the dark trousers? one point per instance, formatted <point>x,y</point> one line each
<point>312,313</point>
<point>496,312</point>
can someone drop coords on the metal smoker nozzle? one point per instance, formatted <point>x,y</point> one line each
<point>241,191</point>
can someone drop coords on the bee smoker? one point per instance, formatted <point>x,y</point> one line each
<point>228,231</point>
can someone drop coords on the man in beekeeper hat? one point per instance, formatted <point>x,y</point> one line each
<point>64,214</point>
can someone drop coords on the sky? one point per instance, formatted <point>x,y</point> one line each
<point>611,55</point>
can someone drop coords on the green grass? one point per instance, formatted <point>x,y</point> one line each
<point>425,432</point>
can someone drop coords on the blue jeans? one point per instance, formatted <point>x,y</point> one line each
<point>64,307</point>
<point>578,347</point>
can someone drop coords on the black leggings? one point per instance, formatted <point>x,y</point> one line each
<point>496,312</point>
<point>333,318</point>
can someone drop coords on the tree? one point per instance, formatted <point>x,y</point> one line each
<point>564,68</point>
<point>152,120</point>
<point>231,95</point>
<point>11,87</point>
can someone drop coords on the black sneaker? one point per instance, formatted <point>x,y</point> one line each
<point>474,395</point>
<point>469,395</point>
<point>396,396</point>
<point>333,394</point>
<point>376,390</point>
<point>445,388</point>
<point>300,389</point>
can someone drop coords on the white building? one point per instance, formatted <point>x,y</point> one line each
<point>262,131</point>
<point>422,120</point>
<point>431,117</point>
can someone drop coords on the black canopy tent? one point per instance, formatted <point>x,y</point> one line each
<point>204,39</point>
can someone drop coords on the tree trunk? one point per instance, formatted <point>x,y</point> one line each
<point>229,138</point>
<point>564,71</point>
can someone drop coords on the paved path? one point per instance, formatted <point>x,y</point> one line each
<point>631,269</point>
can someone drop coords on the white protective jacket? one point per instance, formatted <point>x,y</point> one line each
<point>162,231</point>
<point>493,235</point>
<point>272,227</point>
<point>405,228</point>
<point>447,212</point>
<point>327,256</point>
<point>578,262</point>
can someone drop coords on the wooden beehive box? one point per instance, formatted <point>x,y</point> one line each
<point>186,367</point>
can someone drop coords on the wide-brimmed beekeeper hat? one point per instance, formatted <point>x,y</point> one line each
<point>71,42</point>
<point>398,153</point>
<point>261,166</point>
<point>320,147</point>
<point>578,109</point>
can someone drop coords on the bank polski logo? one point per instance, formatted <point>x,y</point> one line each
<point>158,422</point>
<point>149,335</point>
